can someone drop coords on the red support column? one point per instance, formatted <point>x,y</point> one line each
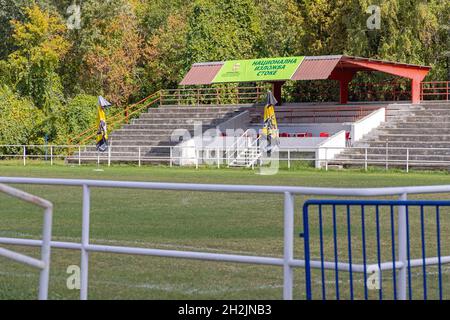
<point>344,78</point>
<point>276,90</point>
<point>343,97</point>
<point>415,91</point>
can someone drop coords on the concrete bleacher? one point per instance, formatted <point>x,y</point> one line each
<point>298,113</point>
<point>151,133</point>
<point>419,134</point>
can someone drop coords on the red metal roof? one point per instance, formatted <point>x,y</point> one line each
<point>202,73</point>
<point>316,68</point>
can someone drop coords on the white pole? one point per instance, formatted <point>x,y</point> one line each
<point>288,245</point>
<point>51,155</point>
<point>407,160</point>
<point>365,160</point>
<point>79,155</point>
<point>24,155</point>
<point>171,155</point>
<point>289,159</point>
<point>402,249</point>
<point>109,156</point>
<point>196,156</point>
<point>387,156</point>
<point>85,243</point>
<point>139,156</point>
<point>218,158</point>
<point>326,159</point>
<point>45,254</point>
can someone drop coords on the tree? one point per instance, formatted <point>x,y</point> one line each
<point>223,30</point>
<point>20,120</point>
<point>108,51</point>
<point>282,28</point>
<point>31,70</point>
<point>166,53</point>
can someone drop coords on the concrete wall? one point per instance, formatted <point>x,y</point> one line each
<point>330,148</point>
<point>362,127</point>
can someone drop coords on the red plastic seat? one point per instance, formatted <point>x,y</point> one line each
<point>302,135</point>
<point>324,134</point>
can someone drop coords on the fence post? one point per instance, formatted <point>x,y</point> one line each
<point>407,160</point>
<point>51,155</point>
<point>387,156</point>
<point>171,155</point>
<point>289,159</point>
<point>326,159</point>
<point>109,156</point>
<point>365,160</point>
<point>402,249</point>
<point>85,243</point>
<point>139,156</point>
<point>196,157</point>
<point>79,155</point>
<point>45,254</point>
<point>288,245</point>
<point>218,158</point>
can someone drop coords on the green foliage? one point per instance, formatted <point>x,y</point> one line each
<point>32,69</point>
<point>128,49</point>
<point>220,30</point>
<point>20,120</point>
<point>78,115</point>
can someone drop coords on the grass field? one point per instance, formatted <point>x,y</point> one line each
<point>213,222</point>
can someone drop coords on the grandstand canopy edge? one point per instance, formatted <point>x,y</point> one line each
<point>278,70</point>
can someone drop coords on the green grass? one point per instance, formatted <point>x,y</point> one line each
<point>213,222</point>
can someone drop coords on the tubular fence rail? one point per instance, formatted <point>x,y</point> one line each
<point>380,91</point>
<point>288,262</point>
<point>435,90</point>
<point>44,264</point>
<point>385,156</point>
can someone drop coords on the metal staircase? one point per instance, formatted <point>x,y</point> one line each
<point>245,152</point>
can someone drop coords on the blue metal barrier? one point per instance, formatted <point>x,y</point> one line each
<point>379,244</point>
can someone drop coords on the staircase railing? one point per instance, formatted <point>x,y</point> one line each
<point>118,119</point>
<point>219,95</point>
<point>240,144</point>
<point>254,152</point>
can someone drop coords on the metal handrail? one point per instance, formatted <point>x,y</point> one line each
<point>288,261</point>
<point>44,263</point>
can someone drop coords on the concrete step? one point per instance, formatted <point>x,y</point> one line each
<point>406,144</point>
<point>149,132</point>
<point>186,115</point>
<point>413,137</point>
<point>178,121</point>
<point>414,131</point>
<point>407,124</point>
<point>170,126</point>
<point>166,110</point>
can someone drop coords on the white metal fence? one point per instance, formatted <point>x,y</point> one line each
<point>288,262</point>
<point>386,156</point>
<point>44,263</point>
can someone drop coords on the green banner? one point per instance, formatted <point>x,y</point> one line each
<point>271,69</point>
